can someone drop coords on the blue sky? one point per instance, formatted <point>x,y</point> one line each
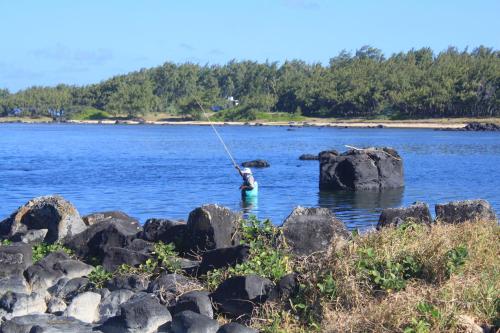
<point>80,42</point>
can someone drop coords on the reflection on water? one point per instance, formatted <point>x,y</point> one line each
<point>361,208</point>
<point>249,206</point>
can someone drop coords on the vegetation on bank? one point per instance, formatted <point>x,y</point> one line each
<point>412,278</point>
<point>408,85</point>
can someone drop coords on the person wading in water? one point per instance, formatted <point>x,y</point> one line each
<point>249,187</point>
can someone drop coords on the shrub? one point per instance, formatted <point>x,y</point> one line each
<point>99,276</point>
<point>41,250</point>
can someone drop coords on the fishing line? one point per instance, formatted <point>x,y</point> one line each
<point>217,133</point>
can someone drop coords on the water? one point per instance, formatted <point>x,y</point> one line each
<point>166,171</point>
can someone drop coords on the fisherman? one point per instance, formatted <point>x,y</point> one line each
<point>249,187</point>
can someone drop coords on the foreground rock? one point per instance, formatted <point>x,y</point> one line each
<point>309,230</point>
<point>418,212</point>
<point>35,323</point>
<point>224,257</point>
<point>196,301</point>
<point>309,157</point>
<point>14,259</point>
<point>467,210</point>
<point>18,304</point>
<point>84,307</point>
<point>189,321</point>
<point>361,169</point>
<point>57,265</point>
<point>211,227</point>
<point>166,231</point>
<point>235,328</point>
<point>52,213</point>
<point>141,314</point>
<point>109,232</point>
<point>237,296</point>
<point>256,164</point>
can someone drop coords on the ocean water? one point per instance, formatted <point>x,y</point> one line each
<point>167,171</point>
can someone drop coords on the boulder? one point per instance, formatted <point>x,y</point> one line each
<point>96,239</point>
<point>467,210</point>
<point>116,256</point>
<point>67,289</point>
<point>17,304</point>
<point>361,169</point>
<point>196,301</point>
<point>130,282</point>
<point>56,305</point>
<point>168,286</point>
<point>110,305</point>
<point>212,227</point>
<point>256,164</point>
<point>14,259</point>
<point>417,213</point>
<point>237,296</point>
<point>309,230</point>
<point>235,328</point>
<point>105,216</point>
<point>84,307</point>
<point>288,286</point>
<point>309,157</point>
<point>54,213</point>
<point>49,270</point>
<point>189,321</point>
<point>142,314</point>
<point>34,236</point>
<point>166,231</point>
<point>45,323</point>
<point>223,257</point>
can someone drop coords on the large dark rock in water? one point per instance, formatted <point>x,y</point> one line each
<point>361,169</point>
<point>103,234</point>
<point>309,230</point>
<point>417,213</point>
<point>211,227</point>
<point>477,126</point>
<point>53,213</point>
<point>237,296</point>
<point>256,164</point>
<point>467,210</point>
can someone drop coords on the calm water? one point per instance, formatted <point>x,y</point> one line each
<point>166,171</point>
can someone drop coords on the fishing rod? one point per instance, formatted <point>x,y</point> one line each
<point>217,134</point>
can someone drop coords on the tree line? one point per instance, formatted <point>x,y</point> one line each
<point>412,84</point>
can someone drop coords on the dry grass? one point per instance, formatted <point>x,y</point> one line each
<point>455,283</point>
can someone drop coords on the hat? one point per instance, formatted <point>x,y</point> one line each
<point>247,171</point>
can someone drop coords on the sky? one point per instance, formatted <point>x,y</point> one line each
<point>86,41</point>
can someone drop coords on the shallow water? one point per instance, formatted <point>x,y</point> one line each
<point>166,171</point>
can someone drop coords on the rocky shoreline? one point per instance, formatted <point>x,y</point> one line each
<point>104,272</point>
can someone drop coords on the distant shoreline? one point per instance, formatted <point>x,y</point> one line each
<point>424,124</point>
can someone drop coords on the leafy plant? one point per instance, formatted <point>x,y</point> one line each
<point>41,250</point>
<point>99,276</point>
<point>5,242</point>
<point>328,287</point>
<point>388,275</point>
<point>428,314</point>
<point>455,259</point>
<point>267,254</point>
<point>167,256</point>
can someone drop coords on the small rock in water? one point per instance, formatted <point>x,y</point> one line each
<point>256,164</point>
<point>309,157</point>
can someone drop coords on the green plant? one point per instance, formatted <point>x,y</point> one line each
<point>267,254</point>
<point>5,242</point>
<point>43,249</point>
<point>327,287</point>
<point>455,259</point>
<point>388,275</point>
<point>99,276</point>
<point>167,256</point>
<point>428,314</point>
